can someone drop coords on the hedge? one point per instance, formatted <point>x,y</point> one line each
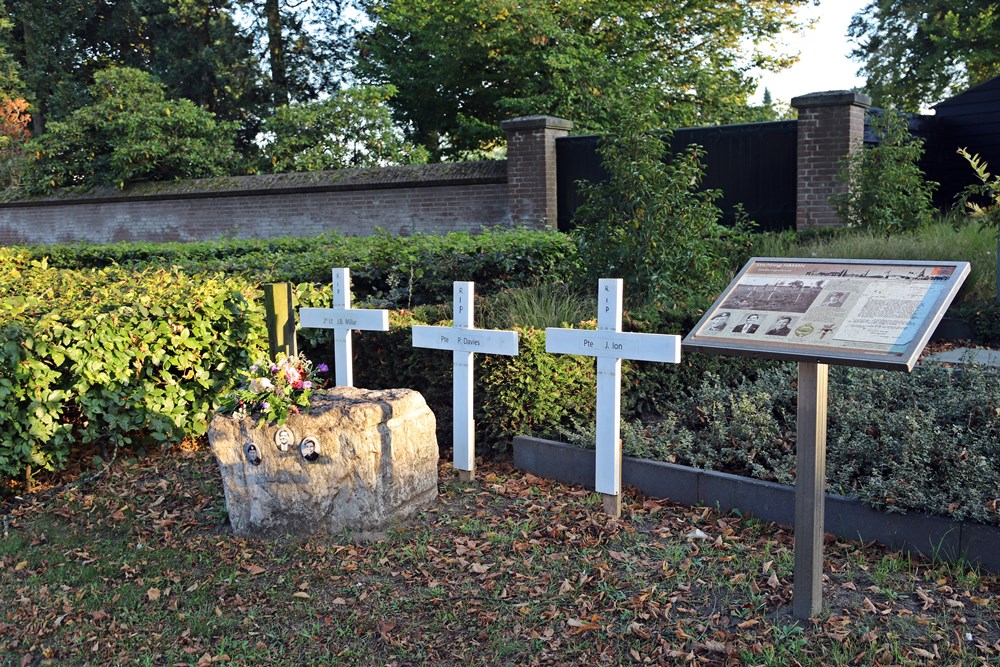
<point>395,272</point>
<point>113,355</point>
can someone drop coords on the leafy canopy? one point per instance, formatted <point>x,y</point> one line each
<point>129,132</point>
<point>918,52</point>
<point>351,128</point>
<point>462,66</point>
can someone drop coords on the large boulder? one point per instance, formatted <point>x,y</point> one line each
<point>358,459</point>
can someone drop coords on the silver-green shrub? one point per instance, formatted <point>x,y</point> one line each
<point>925,441</point>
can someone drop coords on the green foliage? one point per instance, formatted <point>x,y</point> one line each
<point>887,191</point>
<point>925,441</point>
<point>98,355</point>
<point>350,128</point>
<point>462,67</point>
<point>535,307</point>
<point>534,393</point>
<point>651,226</point>
<point>988,187</point>
<point>919,52</point>
<point>388,270</point>
<point>130,132</point>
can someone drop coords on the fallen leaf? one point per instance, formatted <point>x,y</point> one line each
<point>153,594</point>
<point>20,566</point>
<point>254,569</point>
<point>300,594</point>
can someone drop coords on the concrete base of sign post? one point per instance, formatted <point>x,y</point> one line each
<point>466,475</point>
<point>933,537</point>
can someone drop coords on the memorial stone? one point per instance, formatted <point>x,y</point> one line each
<point>358,459</point>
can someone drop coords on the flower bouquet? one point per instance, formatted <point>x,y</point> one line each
<point>273,391</point>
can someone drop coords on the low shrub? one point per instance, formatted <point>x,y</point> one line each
<point>926,441</point>
<point>395,272</point>
<point>114,355</point>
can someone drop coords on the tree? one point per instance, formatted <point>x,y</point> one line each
<point>651,225</point>
<point>193,46</point>
<point>886,189</point>
<point>130,132</point>
<point>917,52</point>
<point>351,128</point>
<point>307,45</point>
<point>461,66</point>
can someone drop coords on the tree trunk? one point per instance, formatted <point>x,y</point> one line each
<point>276,50</point>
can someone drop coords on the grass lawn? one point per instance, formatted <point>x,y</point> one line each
<point>138,568</point>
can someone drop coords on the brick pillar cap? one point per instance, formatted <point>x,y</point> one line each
<point>832,98</point>
<point>536,123</point>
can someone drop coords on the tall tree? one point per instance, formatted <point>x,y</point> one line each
<point>131,131</point>
<point>307,45</point>
<point>461,66</point>
<point>917,52</point>
<point>193,46</point>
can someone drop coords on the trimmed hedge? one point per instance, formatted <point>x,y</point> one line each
<point>113,355</point>
<point>395,272</point>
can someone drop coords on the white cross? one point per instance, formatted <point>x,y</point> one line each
<point>610,345</point>
<point>465,340</point>
<point>342,319</point>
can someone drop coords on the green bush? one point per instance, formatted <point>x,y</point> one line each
<point>887,191</point>
<point>927,441</point>
<point>651,226</point>
<point>129,132</point>
<point>395,272</point>
<point>112,355</point>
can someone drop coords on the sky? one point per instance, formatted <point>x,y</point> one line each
<point>823,61</point>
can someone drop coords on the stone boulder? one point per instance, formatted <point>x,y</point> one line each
<point>358,459</point>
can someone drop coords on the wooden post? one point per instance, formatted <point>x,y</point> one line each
<point>280,320</point>
<point>810,482</point>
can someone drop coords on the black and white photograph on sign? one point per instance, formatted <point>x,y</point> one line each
<point>782,296</point>
<point>782,327</point>
<point>875,313</point>
<point>719,322</point>
<point>749,326</point>
<point>835,299</point>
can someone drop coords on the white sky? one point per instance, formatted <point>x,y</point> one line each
<point>823,54</point>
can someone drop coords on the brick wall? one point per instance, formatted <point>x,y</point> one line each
<point>831,125</point>
<point>400,200</point>
<point>437,198</point>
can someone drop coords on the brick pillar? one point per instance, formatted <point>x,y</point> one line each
<point>531,169</point>
<point>831,125</point>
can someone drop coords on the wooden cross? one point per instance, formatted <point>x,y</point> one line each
<point>342,319</point>
<point>464,340</point>
<point>610,345</point>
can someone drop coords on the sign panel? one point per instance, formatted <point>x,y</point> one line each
<point>874,313</point>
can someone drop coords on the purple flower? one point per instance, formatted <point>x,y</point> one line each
<point>265,406</point>
<point>322,368</point>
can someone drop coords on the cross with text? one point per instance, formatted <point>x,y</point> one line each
<point>464,340</point>
<point>610,345</point>
<point>342,319</point>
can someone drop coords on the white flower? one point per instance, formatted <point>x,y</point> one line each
<point>260,385</point>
